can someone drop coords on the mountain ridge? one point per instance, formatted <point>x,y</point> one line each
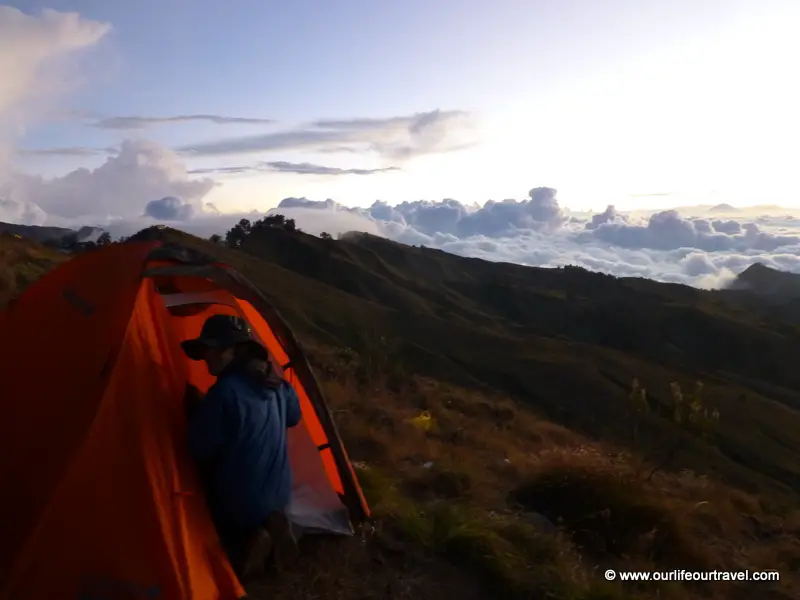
<point>545,335</point>
<point>762,280</point>
<point>48,234</point>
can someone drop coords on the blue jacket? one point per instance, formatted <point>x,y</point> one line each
<point>238,435</point>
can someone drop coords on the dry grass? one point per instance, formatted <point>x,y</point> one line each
<point>538,511</point>
<point>21,263</point>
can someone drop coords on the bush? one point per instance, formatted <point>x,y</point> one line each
<point>609,513</point>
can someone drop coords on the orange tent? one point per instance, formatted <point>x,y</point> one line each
<point>100,497</point>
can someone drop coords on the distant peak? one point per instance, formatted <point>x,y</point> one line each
<point>758,267</point>
<point>761,279</point>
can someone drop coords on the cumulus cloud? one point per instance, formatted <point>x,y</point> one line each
<point>35,72</point>
<point>540,212</point>
<point>730,227</point>
<point>120,187</point>
<point>669,230</point>
<point>139,122</point>
<point>33,53</point>
<point>395,138</point>
<point>169,209</point>
<point>609,215</point>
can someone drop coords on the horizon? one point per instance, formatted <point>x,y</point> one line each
<point>642,116</point>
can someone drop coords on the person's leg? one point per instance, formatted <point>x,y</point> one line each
<point>284,544</point>
<point>255,552</point>
<point>247,551</point>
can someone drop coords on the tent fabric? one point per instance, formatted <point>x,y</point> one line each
<point>197,276</point>
<point>101,498</point>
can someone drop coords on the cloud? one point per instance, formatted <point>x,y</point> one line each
<point>609,215</point>
<point>669,230</point>
<point>730,227</point>
<point>70,151</point>
<point>12,211</point>
<point>687,246</point>
<point>665,246</point>
<point>314,221</point>
<point>36,70</point>
<point>235,170</point>
<point>282,140</point>
<point>138,122</point>
<point>540,212</point>
<point>310,169</point>
<point>169,209</point>
<point>336,150</point>
<point>396,138</point>
<point>209,222</point>
<point>119,188</point>
<point>403,137</point>
<point>698,263</point>
<point>289,167</point>
<point>33,62</point>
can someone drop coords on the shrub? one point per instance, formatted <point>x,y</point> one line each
<point>609,512</point>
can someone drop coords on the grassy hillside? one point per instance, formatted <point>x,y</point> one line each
<point>22,261</point>
<point>34,232</point>
<point>566,342</point>
<point>538,469</point>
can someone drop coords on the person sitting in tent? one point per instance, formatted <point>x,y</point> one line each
<point>238,435</point>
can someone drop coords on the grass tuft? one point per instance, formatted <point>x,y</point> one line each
<point>611,513</point>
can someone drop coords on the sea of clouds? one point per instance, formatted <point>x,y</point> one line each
<point>703,246</point>
<point>700,246</point>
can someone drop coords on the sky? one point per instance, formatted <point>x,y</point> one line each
<point>380,115</point>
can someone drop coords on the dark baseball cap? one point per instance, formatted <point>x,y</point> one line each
<point>219,331</point>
